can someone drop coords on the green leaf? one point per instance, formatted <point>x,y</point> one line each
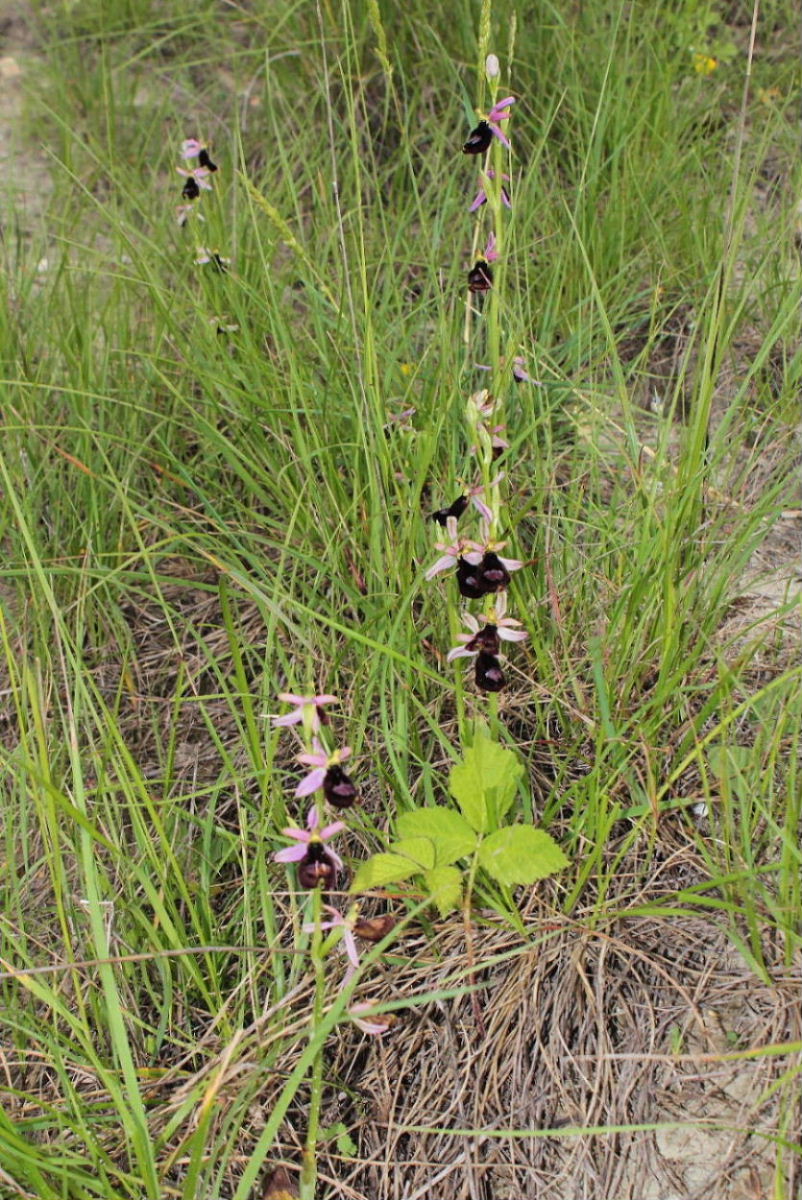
<point>452,835</point>
<point>520,854</point>
<point>484,783</point>
<point>444,885</point>
<point>419,849</point>
<point>345,1143</point>
<point>382,869</point>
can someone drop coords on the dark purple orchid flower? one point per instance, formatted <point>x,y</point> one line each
<point>479,139</point>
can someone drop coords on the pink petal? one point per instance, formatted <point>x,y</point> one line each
<point>325,699</point>
<point>481,507</point>
<point>319,759</point>
<point>310,926</point>
<point>330,830</point>
<point>351,948</point>
<point>496,110</point>
<point>474,557</point>
<point>442,564</point>
<point>291,698</point>
<point>293,718</point>
<point>481,199</point>
<point>335,858</point>
<point>312,819</point>
<point>512,564</point>
<point>299,835</point>
<point>512,635</point>
<point>190,148</point>
<point>310,783</point>
<point>499,132</point>
<point>459,652</point>
<point>372,1027</point>
<point>290,854</point>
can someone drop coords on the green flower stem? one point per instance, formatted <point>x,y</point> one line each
<point>454,628</point>
<point>308,1179</point>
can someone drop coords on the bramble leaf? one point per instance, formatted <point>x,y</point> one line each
<point>484,783</point>
<point>381,869</point>
<point>520,854</point>
<point>419,849</point>
<point>452,835</point>
<point>444,885</point>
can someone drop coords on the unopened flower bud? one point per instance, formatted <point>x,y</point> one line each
<point>492,67</point>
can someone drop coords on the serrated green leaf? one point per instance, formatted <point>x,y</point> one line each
<point>520,854</point>
<point>419,849</point>
<point>444,885</point>
<point>484,783</point>
<point>451,834</point>
<point>382,869</point>
<point>345,1143</point>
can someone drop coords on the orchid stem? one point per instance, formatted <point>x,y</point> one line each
<point>308,1179</point>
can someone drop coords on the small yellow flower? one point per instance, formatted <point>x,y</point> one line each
<point>406,368</point>
<point>703,64</point>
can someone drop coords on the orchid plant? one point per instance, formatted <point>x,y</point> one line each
<point>197,176</point>
<point>318,871</point>
<point>441,848</point>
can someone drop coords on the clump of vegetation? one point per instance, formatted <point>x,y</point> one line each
<point>286,312</point>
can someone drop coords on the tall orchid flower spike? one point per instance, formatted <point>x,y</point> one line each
<point>500,112</point>
<point>307,710</point>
